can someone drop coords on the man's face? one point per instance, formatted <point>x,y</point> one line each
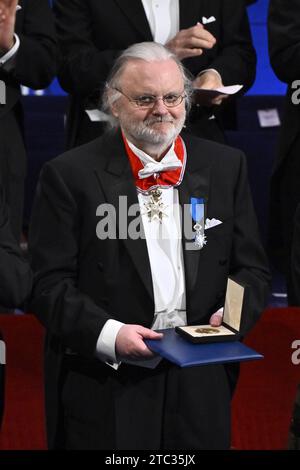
<point>159,125</point>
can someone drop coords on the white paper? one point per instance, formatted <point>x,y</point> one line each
<point>268,118</point>
<point>96,115</point>
<point>224,90</point>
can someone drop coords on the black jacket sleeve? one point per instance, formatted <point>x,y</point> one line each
<point>66,312</point>
<point>284,39</point>
<point>36,58</point>
<point>15,273</point>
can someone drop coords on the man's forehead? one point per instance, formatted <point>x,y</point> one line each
<point>153,73</point>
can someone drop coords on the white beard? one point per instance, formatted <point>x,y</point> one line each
<point>152,138</point>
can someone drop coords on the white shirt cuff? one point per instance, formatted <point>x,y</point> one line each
<point>8,55</point>
<point>210,70</point>
<point>105,347</point>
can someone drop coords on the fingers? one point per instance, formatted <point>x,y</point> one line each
<point>199,37</point>
<point>219,100</point>
<point>149,334</point>
<point>9,3</point>
<point>191,42</point>
<point>216,318</point>
<point>130,341</point>
<point>6,15</point>
<point>7,8</point>
<point>183,53</point>
<point>209,80</point>
<point>3,12</point>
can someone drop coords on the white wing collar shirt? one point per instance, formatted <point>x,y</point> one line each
<point>163,238</point>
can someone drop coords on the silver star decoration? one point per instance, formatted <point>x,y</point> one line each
<point>200,238</point>
<point>155,207</point>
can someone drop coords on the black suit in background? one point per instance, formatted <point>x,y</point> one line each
<point>15,277</point>
<point>284,46</point>
<point>82,281</point>
<point>35,67</point>
<point>92,33</point>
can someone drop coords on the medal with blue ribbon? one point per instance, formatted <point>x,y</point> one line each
<point>198,216</point>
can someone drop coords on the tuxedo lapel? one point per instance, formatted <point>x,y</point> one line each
<point>117,180</point>
<point>134,11</point>
<point>189,13</point>
<point>194,184</point>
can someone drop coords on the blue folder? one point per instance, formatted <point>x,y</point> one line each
<point>185,354</point>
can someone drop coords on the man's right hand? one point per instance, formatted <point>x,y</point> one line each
<point>7,24</point>
<point>130,342</point>
<point>191,42</point>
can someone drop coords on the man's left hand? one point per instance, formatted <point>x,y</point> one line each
<point>8,10</point>
<point>209,80</point>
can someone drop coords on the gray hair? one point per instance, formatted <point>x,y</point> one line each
<point>149,52</point>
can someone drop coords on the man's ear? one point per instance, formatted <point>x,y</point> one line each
<point>113,105</point>
<point>114,111</point>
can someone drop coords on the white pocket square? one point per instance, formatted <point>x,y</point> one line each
<point>209,223</point>
<point>18,7</point>
<point>205,20</point>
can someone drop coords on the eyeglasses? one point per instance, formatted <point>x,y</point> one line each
<point>170,100</point>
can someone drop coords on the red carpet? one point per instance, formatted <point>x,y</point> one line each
<point>261,408</point>
<point>23,423</point>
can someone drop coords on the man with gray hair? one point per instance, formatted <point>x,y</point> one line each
<point>113,262</point>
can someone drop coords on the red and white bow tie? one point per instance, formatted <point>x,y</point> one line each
<point>153,168</point>
<point>168,172</point>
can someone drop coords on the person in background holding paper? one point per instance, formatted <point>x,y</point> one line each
<point>211,37</point>
<point>27,57</point>
<point>15,278</point>
<point>106,275</point>
<point>284,48</point>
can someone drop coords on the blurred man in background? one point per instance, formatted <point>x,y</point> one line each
<point>212,37</point>
<point>27,57</point>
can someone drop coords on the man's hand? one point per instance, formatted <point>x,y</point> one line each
<point>191,42</point>
<point>8,10</point>
<point>209,80</point>
<point>130,342</point>
<point>216,318</point>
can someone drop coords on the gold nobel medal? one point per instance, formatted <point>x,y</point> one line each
<point>207,331</point>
